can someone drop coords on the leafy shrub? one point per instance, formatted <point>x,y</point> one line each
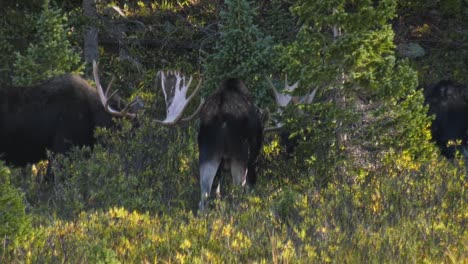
<point>14,223</point>
<point>407,216</point>
<point>149,168</point>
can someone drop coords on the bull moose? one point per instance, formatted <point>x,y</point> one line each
<point>53,115</point>
<point>231,129</point>
<point>284,100</point>
<point>231,133</point>
<point>60,113</point>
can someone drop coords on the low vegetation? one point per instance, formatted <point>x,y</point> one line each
<point>365,184</point>
<point>103,211</point>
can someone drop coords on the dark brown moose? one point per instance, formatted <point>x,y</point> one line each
<point>54,115</point>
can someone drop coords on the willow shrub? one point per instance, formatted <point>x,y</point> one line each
<point>116,206</point>
<point>133,198</point>
<point>14,222</point>
<point>148,167</point>
<point>393,213</point>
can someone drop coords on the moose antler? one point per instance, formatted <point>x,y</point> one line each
<point>309,98</point>
<point>105,98</point>
<point>284,99</point>
<point>175,88</point>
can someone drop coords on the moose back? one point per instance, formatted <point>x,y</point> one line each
<point>54,115</point>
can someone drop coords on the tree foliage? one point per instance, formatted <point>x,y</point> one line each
<point>50,53</point>
<point>346,49</point>
<point>242,50</point>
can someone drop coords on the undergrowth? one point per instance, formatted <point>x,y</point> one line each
<point>107,207</point>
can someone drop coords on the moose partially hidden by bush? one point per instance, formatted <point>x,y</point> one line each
<point>60,113</point>
<point>64,112</point>
<point>54,115</point>
<point>448,101</point>
<point>231,134</point>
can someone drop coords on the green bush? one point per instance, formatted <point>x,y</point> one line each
<point>149,168</point>
<point>14,222</point>
<point>392,213</point>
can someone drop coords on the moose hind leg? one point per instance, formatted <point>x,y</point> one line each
<point>239,171</point>
<point>208,169</point>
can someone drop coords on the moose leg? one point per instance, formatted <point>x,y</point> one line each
<point>220,177</point>
<point>239,171</point>
<point>208,169</point>
<point>239,158</point>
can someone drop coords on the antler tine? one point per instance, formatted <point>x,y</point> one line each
<point>281,99</point>
<point>189,82</point>
<point>103,95</point>
<point>161,76</point>
<point>130,105</point>
<point>310,97</point>
<point>112,95</point>
<point>178,81</point>
<point>135,101</point>
<point>202,101</point>
<point>272,85</point>
<point>290,88</point>
<point>109,86</point>
<point>273,129</point>
<point>284,99</point>
<point>196,89</point>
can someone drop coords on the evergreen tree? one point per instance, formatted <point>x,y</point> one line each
<point>242,50</point>
<point>50,54</point>
<point>346,48</point>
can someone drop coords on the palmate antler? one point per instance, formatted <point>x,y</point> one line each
<point>175,89</point>
<point>106,98</point>
<point>174,86</point>
<point>284,99</point>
